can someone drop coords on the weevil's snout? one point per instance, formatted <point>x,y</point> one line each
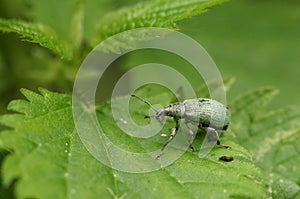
<point>160,114</point>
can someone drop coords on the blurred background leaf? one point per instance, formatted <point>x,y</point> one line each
<point>255,41</point>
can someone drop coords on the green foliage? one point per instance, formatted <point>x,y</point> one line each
<point>50,161</point>
<point>68,29</point>
<point>69,15</point>
<point>153,13</point>
<point>42,156</point>
<point>272,138</point>
<point>5,191</point>
<point>36,33</point>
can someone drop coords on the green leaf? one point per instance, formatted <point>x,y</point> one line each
<point>215,87</point>
<point>3,76</point>
<point>77,24</point>
<point>245,109</point>
<point>152,13</point>
<point>273,139</point>
<point>70,15</point>
<point>37,33</point>
<point>50,161</point>
<point>56,14</point>
<point>5,191</point>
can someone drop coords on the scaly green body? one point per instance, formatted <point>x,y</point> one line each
<point>206,112</point>
<point>202,112</point>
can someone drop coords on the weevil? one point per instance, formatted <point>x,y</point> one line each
<point>208,114</point>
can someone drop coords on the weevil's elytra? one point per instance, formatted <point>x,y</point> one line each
<point>209,115</point>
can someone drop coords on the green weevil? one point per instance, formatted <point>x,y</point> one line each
<point>208,114</point>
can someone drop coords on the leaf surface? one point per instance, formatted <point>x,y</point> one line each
<point>272,138</point>
<point>153,13</point>
<point>36,33</point>
<point>50,161</point>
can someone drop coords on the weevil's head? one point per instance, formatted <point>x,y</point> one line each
<point>173,110</point>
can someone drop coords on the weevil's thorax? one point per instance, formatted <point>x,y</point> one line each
<point>175,110</point>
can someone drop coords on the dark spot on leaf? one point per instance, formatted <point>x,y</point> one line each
<point>226,158</point>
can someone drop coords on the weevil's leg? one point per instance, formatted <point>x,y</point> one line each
<point>172,135</point>
<point>192,136</point>
<point>222,145</point>
<point>213,132</point>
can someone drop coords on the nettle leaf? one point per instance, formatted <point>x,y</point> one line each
<point>152,13</point>
<point>272,138</point>
<point>36,33</point>
<point>246,107</point>
<point>71,18</point>
<point>56,14</point>
<point>5,191</point>
<point>49,161</point>
<point>215,86</point>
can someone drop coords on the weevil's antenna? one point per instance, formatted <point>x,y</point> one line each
<point>146,102</point>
